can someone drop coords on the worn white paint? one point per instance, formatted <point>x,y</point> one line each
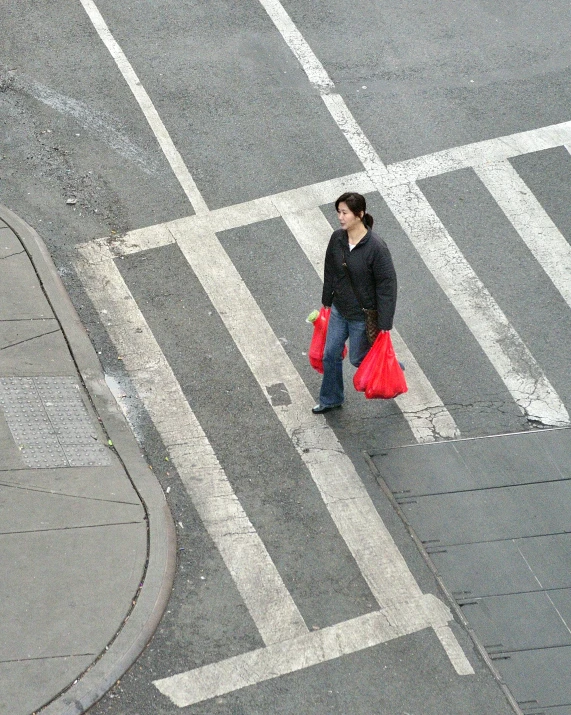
<point>94,122</point>
<point>256,666</point>
<point>155,122</point>
<point>480,153</point>
<point>505,349</point>
<point>269,602</point>
<point>296,42</point>
<point>501,343</point>
<point>341,488</point>
<point>548,246</point>
<point>404,608</point>
<point>424,411</point>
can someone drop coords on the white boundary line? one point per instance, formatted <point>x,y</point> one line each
<point>341,639</point>
<point>528,217</point>
<point>511,358</point>
<point>270,604</point>
<point>163,137</point>
<point>480,153</point>
<point>424,411</point>
<point>343,493</point>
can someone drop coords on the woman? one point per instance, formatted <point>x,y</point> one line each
<point>359,274</point>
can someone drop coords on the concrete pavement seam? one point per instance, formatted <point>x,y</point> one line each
<point>449,597</point>
<point>152,598</point>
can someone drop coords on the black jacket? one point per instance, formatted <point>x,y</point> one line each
<point>372,273</point>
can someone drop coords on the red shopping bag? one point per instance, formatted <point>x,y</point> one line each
<point>379,375</point>
<point>317,346</point>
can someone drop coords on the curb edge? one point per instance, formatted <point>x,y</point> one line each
<point>454,607</point>
<point>152,599</point>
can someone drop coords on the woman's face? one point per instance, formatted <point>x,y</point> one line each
<point>347,218</point>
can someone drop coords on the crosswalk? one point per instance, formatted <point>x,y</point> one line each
<point>490,346</point>
<point>302,211</point>
<point>245,555</point>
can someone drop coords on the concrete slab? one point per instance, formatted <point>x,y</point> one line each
<point>9,243</point>
<point>501,567</point>
<point>539,675</point>
<point>475,464</point>
<point>521,621</point>
<point>21,295</point>
<point>10,455</point>
<point>490,514</point>
<point>68,591</point>
<point>27,685</point>
<point>18,331</point>
<point>25,510</point>
<point>106,483</point>
<point>550,559</point>
<point>507,547</point>
<point>33,347</point>
<point>557,444</point>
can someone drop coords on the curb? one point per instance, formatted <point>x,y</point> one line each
<point>153,596</point>
<point>454,607</point>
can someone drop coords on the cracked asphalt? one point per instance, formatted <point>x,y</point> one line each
<point>79,162</point>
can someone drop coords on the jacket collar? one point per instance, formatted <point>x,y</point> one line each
<point>345,238</point>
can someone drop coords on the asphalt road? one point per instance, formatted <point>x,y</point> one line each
<point>79,162</point>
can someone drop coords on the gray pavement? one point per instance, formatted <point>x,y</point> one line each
<point>86,540</point>
<point>418,77</point>
<point>493,516</point>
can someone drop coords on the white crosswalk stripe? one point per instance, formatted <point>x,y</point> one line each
<point>528,217</point>
<point>403,606</point>
<point>424,411</point>
<point>347,501</point>
<point>260,585</point>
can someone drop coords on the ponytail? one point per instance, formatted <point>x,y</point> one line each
<point>357,204</point>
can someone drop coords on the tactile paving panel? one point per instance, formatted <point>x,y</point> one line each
<point>50,423</point>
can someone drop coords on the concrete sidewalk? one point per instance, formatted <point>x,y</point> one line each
<point>87,544</point>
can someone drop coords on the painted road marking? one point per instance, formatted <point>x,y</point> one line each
<point>148,108</point>
<point>424,411</point>
<point>270,604</point>
<point>507,352</point>
<point>479,153</point>
<point>341,489</point>
<point>343,492</point>
<point>341,639</point>
<point>344,495</point>
<point>530,220</point>
<point>511,358</point>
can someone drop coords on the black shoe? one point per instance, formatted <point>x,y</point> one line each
<point>320,409</point>
<point>401,365</point>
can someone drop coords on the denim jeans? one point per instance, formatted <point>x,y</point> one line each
<point>338,330</point>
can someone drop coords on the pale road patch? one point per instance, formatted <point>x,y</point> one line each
<point>98,123</point>
<point>530,220</point>
<point>511,358</point>
<point>256,666</point>
<point>424,411</point>
<point>270,604</point>
<point>155,122</point>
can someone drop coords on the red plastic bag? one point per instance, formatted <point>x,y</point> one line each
<point>379,375</point>
<point>317,346</point>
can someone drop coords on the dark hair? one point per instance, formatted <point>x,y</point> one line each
<point>357,204</point>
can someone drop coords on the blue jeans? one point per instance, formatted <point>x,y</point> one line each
<point>338,330</point>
